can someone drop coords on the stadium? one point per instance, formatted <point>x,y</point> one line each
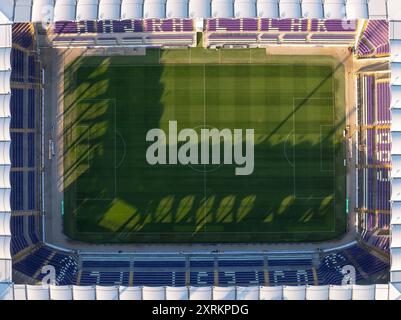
<point>108,191</point>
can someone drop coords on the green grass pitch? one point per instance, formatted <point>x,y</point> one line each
<point>295,105</point>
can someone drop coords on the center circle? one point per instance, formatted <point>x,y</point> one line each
<point>204,170</point>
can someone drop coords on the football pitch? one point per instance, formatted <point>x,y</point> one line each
<point>295,105</point>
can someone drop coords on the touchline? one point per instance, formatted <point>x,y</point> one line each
<point>188,152</point>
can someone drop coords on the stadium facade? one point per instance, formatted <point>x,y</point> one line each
<point>69,14</point>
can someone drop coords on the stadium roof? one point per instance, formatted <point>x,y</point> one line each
<point>5,142</point>
<point>42,10</point>
<point>334,292</point>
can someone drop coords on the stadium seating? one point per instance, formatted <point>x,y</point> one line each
<point>31,108</point>
<point>375,39</point>
<point>17,191</point>
<point>33,232</point>
<point>17,64</point>
<point>31,69</point>
<point>18,241</point>
<point>31,191</point>
<point>16,105</point>
<point>22,34</point>
<point>124,26</point>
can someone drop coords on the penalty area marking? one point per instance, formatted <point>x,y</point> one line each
<point>115,149</point>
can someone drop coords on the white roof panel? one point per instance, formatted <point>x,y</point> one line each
<point>84,292</point>
<point>5,82</point>
<point>6,269</point>
<point>5,105</point>
<point>340,292</point>
<point>154,9</point>
<point>5,199</point>
<point>290,9</point>
<point>87,9</point>
<point>377,9</point>
<point>396,236</point>
<point>5,248</point>
<point>5,155</point>
<point>294,292</point>
<point>5,129</point>
<point>131,9</point>
<point>396,164</point>
<point>37,292</point>
<point>247,293</point>
<point>22,11</point>
<point>396,186</point>
<point>395,50</point>
<point>267,9</point>
<point>200,293</point>
<point>312,9</point>
<point>394,9</point>
<point>130,293</point>
<point>7,8</point>
<point>5,228</point>
<point>43,10</point>
<point>223,293</point>
<point>394,291</point>
<point>396,207</point>
<point>6,291</point>
<point>317,293</point>
<point>5,175</point>
<point>109,9</point>
<point>244,8</point>
<point>395,120</point>
<point>396,73</point>
<point>177,9</point>
<point>60,292</point>
<point>176,293</point>
<point>395,30</point>
<point>199,8</point>
<point>381,292</point>
<point>363,292</point>
<point>395,96</point>
<point>6,36</point>
<point>64,10</point>
<point>222,9</point>
<point>153,293</point>
<point>19,292</point>
<point>5,58</point>
<point>396,259</point>
<point>271,293</point>
<point>335,10</point>
<point>357,9</point>
<point>106,293</point>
